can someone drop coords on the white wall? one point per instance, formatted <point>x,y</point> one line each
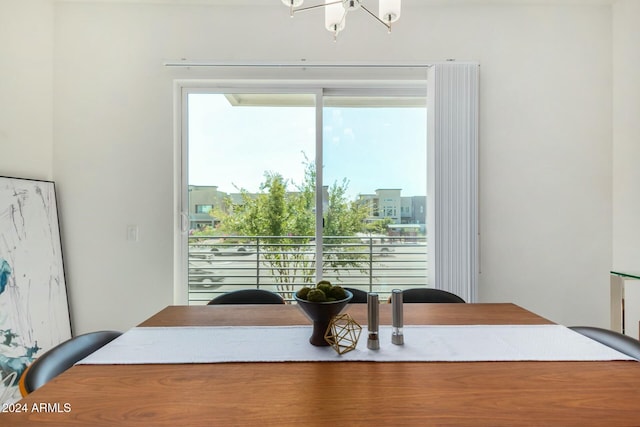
<point>545,138</point>
<point>626,152</point>
<point>26,64</point>
<point>626,135</point>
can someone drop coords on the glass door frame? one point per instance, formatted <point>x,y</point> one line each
<point>320,88</point>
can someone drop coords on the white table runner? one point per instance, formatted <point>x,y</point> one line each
<point>147,345</point>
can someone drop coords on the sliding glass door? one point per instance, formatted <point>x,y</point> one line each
<point>258,162</point>
<point>374,151</point>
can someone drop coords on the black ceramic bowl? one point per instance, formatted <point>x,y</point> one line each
<point>321,313</point>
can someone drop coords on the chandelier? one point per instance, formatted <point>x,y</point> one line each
<point>335,12</point>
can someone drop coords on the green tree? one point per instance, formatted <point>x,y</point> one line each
<point>283,224</point>
<point>379,226</point>
<point>272,212</point>
<point>343,217</point>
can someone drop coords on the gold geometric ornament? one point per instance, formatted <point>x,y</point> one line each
<point>343,333</point>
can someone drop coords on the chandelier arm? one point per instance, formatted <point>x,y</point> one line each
<point>344,16</point>
<point>302,9</point>
<point>335,33</point>
<point>376,17</point>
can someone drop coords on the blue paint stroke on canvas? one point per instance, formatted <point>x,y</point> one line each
<point>22,356</point>
<point>5,271</point>
<point>18,364</point>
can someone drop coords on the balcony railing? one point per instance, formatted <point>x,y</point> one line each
<point>285,264</point>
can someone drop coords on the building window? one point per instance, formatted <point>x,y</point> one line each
<point>204,209</point>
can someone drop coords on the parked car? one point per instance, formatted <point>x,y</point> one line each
<point>202,275</point>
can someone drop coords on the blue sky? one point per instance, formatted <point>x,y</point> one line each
<point>372,147</point>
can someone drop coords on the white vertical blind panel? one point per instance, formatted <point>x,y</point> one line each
<point>453,178</point>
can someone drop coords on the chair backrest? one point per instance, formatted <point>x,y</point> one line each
<point>429,295</point>
<point>623,343</point>
<point>248,296</point>
<point>61,357</point>
<point>359,296</point>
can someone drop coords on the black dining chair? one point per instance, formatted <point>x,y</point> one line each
<point>248,296</point>
<point>359,296</point>
<point>617,341</point>
<point>429,295</point>
<point>61,357</point>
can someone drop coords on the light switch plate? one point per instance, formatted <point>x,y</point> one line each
<point>132,233</point>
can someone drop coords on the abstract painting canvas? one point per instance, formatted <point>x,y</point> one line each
<point>34,310</point>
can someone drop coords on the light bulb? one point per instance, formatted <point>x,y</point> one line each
<point>292,3</point>
<point>334,17</point>
<point>389,10</point>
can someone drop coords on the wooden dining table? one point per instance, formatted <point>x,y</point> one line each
<point>512,393</point>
